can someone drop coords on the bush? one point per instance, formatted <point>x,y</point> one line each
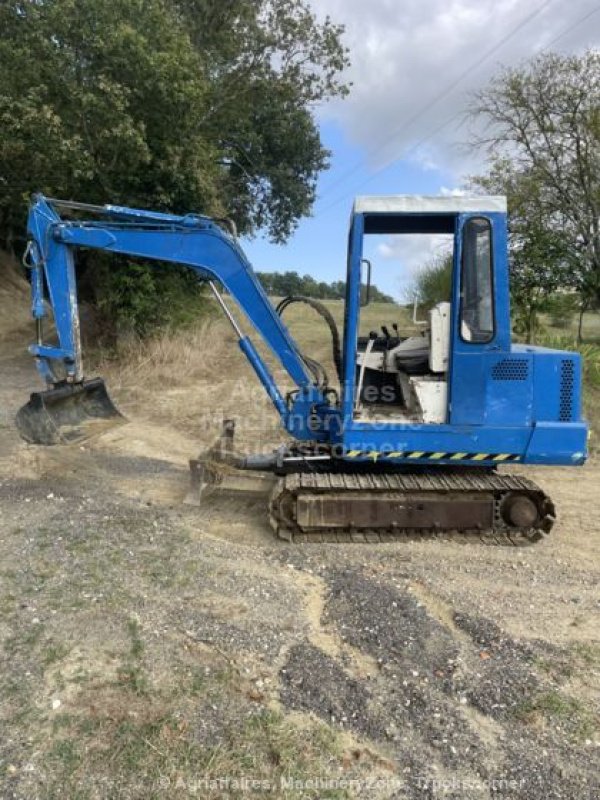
<point>562,308</point>
<point>141,298</point>
<point>433,283</point>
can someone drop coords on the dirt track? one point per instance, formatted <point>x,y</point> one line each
<point>437,668</point>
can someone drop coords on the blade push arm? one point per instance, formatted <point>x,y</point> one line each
<point>195,241</point>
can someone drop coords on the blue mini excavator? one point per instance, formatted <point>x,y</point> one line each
<point>411,441</point>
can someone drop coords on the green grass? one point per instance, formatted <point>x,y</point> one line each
<point>67,753</point>
<point>560,669</point>
<point>590,330</point>
<point>25,639</point>
<point>141,739</point>
<point>143,752</point>
<point>53,652</point>
<point>555,706</point>
<point>588,653</point>
<point>137,646</point>
<point>131,673</point>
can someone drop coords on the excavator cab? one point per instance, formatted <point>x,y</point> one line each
<point>403,376</point>
<point>460,390</point>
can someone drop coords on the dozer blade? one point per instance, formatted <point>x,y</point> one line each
<point>212,477</point>
<point>68,414</point>
<point>216,471</point>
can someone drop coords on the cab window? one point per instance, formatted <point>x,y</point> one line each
<point>476,296</point>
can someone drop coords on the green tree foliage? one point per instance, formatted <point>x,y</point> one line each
<point>542,131</point>
<point>269,63</point>
<point>562,307</point>
<point>433,282</point>
<point>542,259</point>
<point>99,100</point>
<point>280,284</point>
<point>200,105</point>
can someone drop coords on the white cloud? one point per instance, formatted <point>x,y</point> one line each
<point>406,255</point>
<point>414,251</point>
<point>408,60</point>
<point>455,192</point>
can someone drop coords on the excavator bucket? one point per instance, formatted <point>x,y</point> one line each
<point>68,414</point>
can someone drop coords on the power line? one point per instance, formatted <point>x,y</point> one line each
<point>455,116</point>
<point>406,153</point>
<point>571,28</point>
<point>450,87</point>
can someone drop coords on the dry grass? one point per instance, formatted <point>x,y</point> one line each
<point>14,299</point>
<point>591,327</point>
<point>191,380</point>
<point>170,357</point>
<point>210,351</point>
<point>154,377</point>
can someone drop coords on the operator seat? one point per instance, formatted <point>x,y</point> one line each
<point>414,360</point>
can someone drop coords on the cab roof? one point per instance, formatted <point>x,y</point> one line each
<point>428,204</point>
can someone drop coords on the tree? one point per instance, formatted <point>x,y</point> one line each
<point>89,92</point>
<point>433,282</point>
<point>269,63</point>
<point>180,104</point>
<point>168,104</point>
<point>542,259</point>
<point>286,283</point>
<point>543,136</point>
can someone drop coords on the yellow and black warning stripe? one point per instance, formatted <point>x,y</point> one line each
<point>421,455</point>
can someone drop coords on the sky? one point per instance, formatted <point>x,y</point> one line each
<point>402,129</point>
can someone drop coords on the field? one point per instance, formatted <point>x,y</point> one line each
<point>151,649</point>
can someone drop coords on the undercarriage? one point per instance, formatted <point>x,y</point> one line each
<point>329,507</point>
<point>317,498</point>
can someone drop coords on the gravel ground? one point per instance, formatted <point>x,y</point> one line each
<point>149,640</point>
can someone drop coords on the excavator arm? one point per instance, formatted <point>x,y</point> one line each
<point>192,240</point>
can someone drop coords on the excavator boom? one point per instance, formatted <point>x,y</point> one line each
<point>192,240</point>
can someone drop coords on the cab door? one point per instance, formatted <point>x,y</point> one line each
<point>481,313</point>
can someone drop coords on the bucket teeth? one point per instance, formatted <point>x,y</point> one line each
<point>68,413</point>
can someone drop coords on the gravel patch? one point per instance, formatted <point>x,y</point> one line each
<point>312,681</point>
<point>506,676</point>
<point>390,625</point>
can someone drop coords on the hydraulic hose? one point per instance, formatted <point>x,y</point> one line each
<point>324,312</point>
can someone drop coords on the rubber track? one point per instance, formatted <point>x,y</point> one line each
<point>454,483</point>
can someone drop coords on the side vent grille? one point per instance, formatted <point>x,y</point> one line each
<point>511,369</point>
<point>567,381</point>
